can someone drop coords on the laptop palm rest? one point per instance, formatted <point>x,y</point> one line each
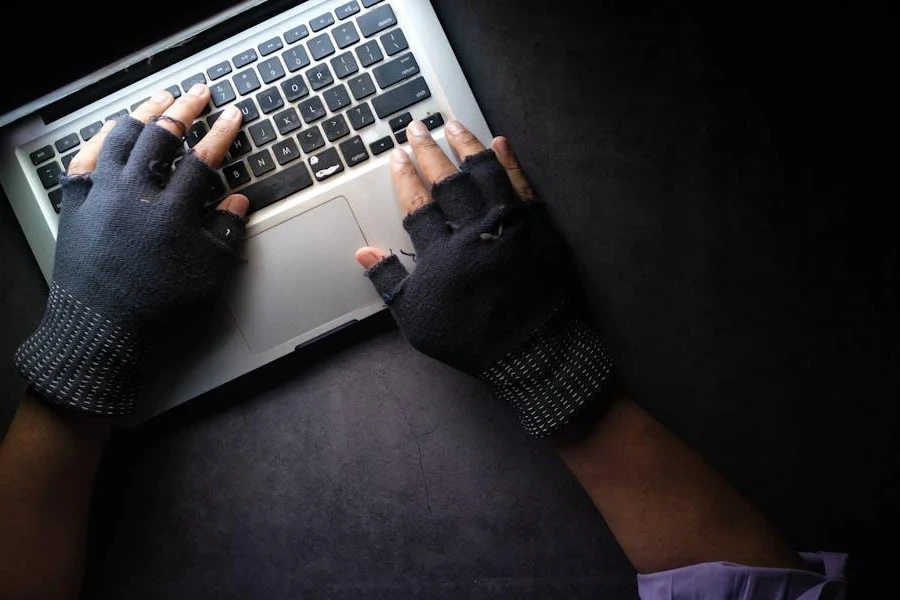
<point>299,275</point>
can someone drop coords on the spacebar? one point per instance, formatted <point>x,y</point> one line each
<point>280,185</point>
<point>399,98</point>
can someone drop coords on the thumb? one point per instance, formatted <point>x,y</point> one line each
<point>386,273</point>
<point>368,257</point>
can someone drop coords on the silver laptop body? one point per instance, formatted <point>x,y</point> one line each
<point>300,280</point>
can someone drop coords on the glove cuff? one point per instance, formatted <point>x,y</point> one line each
<point>78,360</point>
<point>557,373</point>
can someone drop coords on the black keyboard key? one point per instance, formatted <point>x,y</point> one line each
<point>362,86</point>
<point>433,121</point>
<point>286,151</point>
<point>220,70</point>
<point>270,70</point>
<point>262,133</point>
<point>287,121</point>
<point>269,100</point>
<point>295,58</point>
<point>294,88</point>
<point>361,116</point>
<point>261,163</point>
<point>335,128</point>
<point>368,3</point>
<point>195,133</point>
<point>222,93</point>
<point>240,146</point>
<point>369,53</point>
<point>188,83</point>
<point>248,108</point>
<point>236,174</point>
<point>270,46</point>
<point>320,46</point>
<point>326,164</point>
<point>376,20</point>
<point>400,122</point>
<point>174,90</point>
<point>244,58</point>
<point>394,42</point>
<point>311,139</point>
<point>67,143</point>
<point>49,174</point>
<point>138,103</point>
<point>381,146</point>
<point>354,151</point>
<point>91,130</point>
<point>278,186</point>
<point>401,136</point>
<point>347,10</point>
<point>246,82</point>
<point>218,190</point>
<point>344,65</point>
<point>345,35</point>
<point>213,117</point>
<point>55,199</point>
<point>401,97</point>
<point>117,115</point>
<point>321,22</point>
<point>42,154</point>
<point>336,98</point>
<point>396,70</point>
<point>296,34</point>
<point>319,77</point>
<point>311,110</point>
<point>67,159</point>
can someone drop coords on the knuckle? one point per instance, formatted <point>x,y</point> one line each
<point>467,138</point>
<point>418,200</point>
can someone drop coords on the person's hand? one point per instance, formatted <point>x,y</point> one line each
<point>493,291</point>
<point>136,242</point>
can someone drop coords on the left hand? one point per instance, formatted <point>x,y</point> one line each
<point>135,243</point>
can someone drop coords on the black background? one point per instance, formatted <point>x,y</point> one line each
<point>725,177</point>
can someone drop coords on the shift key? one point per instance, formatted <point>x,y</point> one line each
<point>401,97</point>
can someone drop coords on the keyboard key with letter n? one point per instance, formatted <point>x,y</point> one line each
<point>278,186</point>
<point>401,97</point>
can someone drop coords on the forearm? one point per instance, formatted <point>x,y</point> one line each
<point>665,505</point>
<point>48,463</point>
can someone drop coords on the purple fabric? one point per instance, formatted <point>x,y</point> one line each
<point>730,581</point>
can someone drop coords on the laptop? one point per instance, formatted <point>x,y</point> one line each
<point>327,88</point>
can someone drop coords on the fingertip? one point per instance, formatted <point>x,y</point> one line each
<point>368,257</point>
<point>236,204</point>
<point>501,145</point>
<point>399,157</point>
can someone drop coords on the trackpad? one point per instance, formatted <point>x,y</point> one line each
<point>300,275</point>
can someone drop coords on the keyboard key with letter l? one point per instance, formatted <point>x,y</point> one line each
<point>49,174</point>
<point>354,151</point>
<point>41,154</point>
<point>311,110</point>
<point>396,70</point>
<point>326,164</point>
<point>376,20</point>
<point>404,96</point>
<point>278,186</point>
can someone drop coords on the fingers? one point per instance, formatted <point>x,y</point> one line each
<point>463,141</point>
<point>368,257</point>
<point>184,110</point>
<point>503,150</point>
<point>86,160</point>
<point>236,204</point>
<point>214,145</point>
<point>433,162</point>
<point>157,103</point>
<point>411,191</point>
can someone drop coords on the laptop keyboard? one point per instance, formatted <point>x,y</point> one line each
<point>304,95</point>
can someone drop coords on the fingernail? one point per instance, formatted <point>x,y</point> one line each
<point>455,127</point>
<point>231,113</point>
<point>161,96</point>
<point>400,156</point>
<point>418,129</point>
<point>197,89</point>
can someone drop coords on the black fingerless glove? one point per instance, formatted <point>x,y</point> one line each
<point>135,243</point>
<point>494,295</point>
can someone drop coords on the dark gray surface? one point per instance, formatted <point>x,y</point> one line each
<point>723,181</point>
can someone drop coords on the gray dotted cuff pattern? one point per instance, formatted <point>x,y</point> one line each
<point>551,378</point>
<point>78,360</point>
